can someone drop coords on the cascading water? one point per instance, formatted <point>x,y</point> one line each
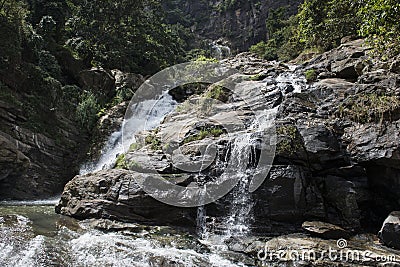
<point>240,216</point>
<point>149,113</point>
<point>238,221</point>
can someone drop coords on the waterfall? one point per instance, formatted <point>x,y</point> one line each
<point>243,152</point>
<point>220,51</point>
<point>149,113</point>
<point>243,156</point>
<point>239,217</point>
<point>201,223</point>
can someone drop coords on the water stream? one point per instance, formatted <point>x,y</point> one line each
<point>32,235</point>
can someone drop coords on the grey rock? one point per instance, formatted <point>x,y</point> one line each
<point>327,166</point>
<point>325,230</point>
<point>395,66</point>
<point>297,243</point>
<point>116,195</point>
<point>346,69</point>
<point>390,231</point>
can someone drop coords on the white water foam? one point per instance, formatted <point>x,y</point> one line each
<point>114,249</point>
<point>42,202</point>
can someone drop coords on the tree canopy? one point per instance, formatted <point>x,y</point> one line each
<point>321,24</point>
<point>124,34</point>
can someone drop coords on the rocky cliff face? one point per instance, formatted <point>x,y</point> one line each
<point>41,147</point>
<point>241,23</point>
<point>337,152</point>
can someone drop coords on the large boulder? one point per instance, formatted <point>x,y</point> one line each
<point>390,231</point>
<point>116,195</point>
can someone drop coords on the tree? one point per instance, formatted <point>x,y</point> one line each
<point>322,23</point>
<point>57,10</point>
<point>283,42</point>
<point>12,20</point>
<point>381,25</point>
<point>126,34</point>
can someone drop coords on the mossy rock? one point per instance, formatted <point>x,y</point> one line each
<point>289,140</point>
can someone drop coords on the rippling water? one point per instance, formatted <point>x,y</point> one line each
<point>31,234</point>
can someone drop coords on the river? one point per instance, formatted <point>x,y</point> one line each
<point>32,234</point>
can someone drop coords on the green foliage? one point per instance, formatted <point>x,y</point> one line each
<point>12,22</point>
<point>203,58</point>
<point>289,140</point>
<point>263,50</point>
<point>366,108</point>
<point>258,77</point>
<point>121,162</point>
<point>49,63</point>
<point>283,41</point>
<point>381,25</point>
<point>226,5</point>
<point>322,23</point>
<point>87,110</point>
<point>70,98</point>
<point>197,53</point>
<point>133,36</point>
<point>153,140</point>
<point>218,92</point>
<point>13,10</point>
<point>204,133</point>
<point>47,27</point>
<point>134,147</point>
<point>311,75</point>
<point>50,16</point>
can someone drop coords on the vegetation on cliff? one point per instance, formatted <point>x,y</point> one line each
<point>320,26</point>
<point>49,43</point>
